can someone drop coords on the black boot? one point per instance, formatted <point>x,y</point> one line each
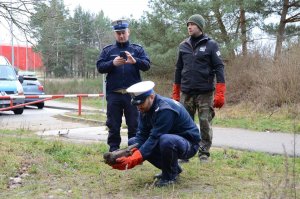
<point>159,175</point>
<point>163,182</point>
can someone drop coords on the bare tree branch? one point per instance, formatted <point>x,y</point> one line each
<point>17,13</point>
<point>294,18</point>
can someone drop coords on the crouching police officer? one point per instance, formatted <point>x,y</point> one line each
<point>166,133</point>
<point>122,63</point>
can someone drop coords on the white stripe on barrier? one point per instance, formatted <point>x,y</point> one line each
<point>70,96</point>
<point>94,95</point>
<point>17,97</point>
<point>49,96</point>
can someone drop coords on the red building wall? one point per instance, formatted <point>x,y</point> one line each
<point>34,60</point>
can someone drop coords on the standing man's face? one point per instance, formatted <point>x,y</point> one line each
<point>122,36</point>
<point>193,30</point>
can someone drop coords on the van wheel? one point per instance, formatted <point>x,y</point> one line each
<point>18,111</point>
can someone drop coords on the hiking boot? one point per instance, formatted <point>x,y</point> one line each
<point>203,158</point>
<point>159,175</point>
<point>164,183</point>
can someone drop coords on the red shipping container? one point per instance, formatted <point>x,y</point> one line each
<point>33,59</point>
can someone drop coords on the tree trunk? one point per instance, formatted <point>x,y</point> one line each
<point>281,29</point>
<point>243,28</point>
<point>224,33</point>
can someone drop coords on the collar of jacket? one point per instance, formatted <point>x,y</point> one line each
<point>195,39</point>
<point>204,38</point>
<point>122,45</point>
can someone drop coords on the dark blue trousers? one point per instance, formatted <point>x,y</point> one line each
<point>117,105</point>
<point>166,153</point>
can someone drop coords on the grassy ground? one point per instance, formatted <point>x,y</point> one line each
<point>55,169</point>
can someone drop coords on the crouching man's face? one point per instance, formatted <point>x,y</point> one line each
<point>146,105</point>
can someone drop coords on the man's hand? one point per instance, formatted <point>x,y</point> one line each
<point>130,59</point>
<point>176,92</point>
<point>219,98</point>
<point>129,162</point>
<point>119,61</point>
<point>111,157</point>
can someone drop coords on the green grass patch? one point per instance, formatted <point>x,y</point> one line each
<point>17,132</point>
<point>259,123</point>
<point>95,102</point>
<point>101,117</point>
<point>248,117</point>
<point>64,170</point>
<point>73,86</point>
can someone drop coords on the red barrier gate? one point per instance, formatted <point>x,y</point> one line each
<point>45,98</point>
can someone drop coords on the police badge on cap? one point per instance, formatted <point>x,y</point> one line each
<point>119,25</point>
<point>140,91</point>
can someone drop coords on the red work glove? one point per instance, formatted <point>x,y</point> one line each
<point>219,98</point>
<point>129,162</point>
<point>176,92</point>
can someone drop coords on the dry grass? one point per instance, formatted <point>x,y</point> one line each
<point>267,83</point>
<point>256,79</point>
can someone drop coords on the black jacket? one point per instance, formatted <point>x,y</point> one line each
<point>197,66</point>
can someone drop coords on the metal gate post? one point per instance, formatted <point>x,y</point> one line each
<point>79,105</point>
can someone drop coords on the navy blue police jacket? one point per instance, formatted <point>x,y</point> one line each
<point>121,77</point>
<point>166,116</point>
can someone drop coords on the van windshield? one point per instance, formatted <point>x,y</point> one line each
<point>4,61</point>
<point>7,73</point>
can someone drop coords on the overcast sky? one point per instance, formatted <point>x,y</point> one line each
<point>114,9</point>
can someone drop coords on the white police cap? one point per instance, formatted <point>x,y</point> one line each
<point>140,91</point>
<point>120,24</point>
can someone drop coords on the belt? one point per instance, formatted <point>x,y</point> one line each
<point>121,91</point>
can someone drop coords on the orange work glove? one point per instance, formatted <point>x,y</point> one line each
<point>176,92</point>
<point>219,98</point>
<point>129,162</point>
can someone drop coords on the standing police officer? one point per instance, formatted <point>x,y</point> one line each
<point>198,64</point>
<point>166,132</point>
<point>122,63</point>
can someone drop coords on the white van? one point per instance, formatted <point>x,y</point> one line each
<point>10,84</point>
